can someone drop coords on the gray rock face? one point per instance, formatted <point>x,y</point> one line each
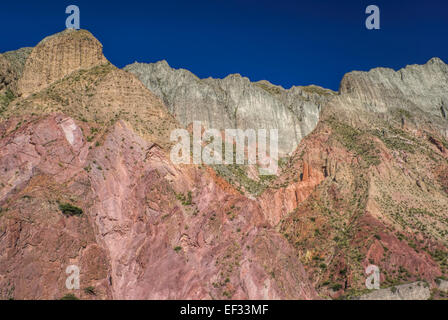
<point>416,86</point>
<point>236,103</point>
<point>18,58</point>
<point>412,291</point>
<point>416,96</point>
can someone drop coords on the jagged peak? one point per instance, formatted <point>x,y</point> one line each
<point>57,56</point>
<point>164,63</point>
<point>161,63</point>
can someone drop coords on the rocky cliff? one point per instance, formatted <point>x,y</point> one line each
<point>377,189</point>
<point>235,102</point>
<point>415,86</point>
<point>57,56</point>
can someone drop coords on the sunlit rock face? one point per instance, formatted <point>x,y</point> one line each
<point>366,182</point>
<point>149,229</point>
<point>417,92</point>
<point>236,102</point>
<point>381,89</point>
<point>84,134</point>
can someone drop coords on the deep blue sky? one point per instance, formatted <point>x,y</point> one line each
<point>285,42</point>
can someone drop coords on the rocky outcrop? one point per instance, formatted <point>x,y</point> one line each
<point>413,94</point>
<point>306,174</point>
<point>423,86</point>
<point>101,94</point>
<point>58,56</point>
<point>438,144</point>
<point>7,74</point>
<point>235,102</point>
<point>37,241</point>
<point>412,291</point>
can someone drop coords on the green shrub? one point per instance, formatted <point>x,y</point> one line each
<point>336,286</point>
<point>177,249</point>
<point>186,200</point>
<point>69,296</point>
<point>7,97</point>
<point>70,210</point>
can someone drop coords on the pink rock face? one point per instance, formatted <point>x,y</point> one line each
<point>149,229</point>
<point>277,203</point>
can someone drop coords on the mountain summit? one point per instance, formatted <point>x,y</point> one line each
<point>57,56</point>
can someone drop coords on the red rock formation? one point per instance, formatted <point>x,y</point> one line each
<point>306,171</point>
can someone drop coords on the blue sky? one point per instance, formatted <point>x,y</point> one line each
<point>285,42</point>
